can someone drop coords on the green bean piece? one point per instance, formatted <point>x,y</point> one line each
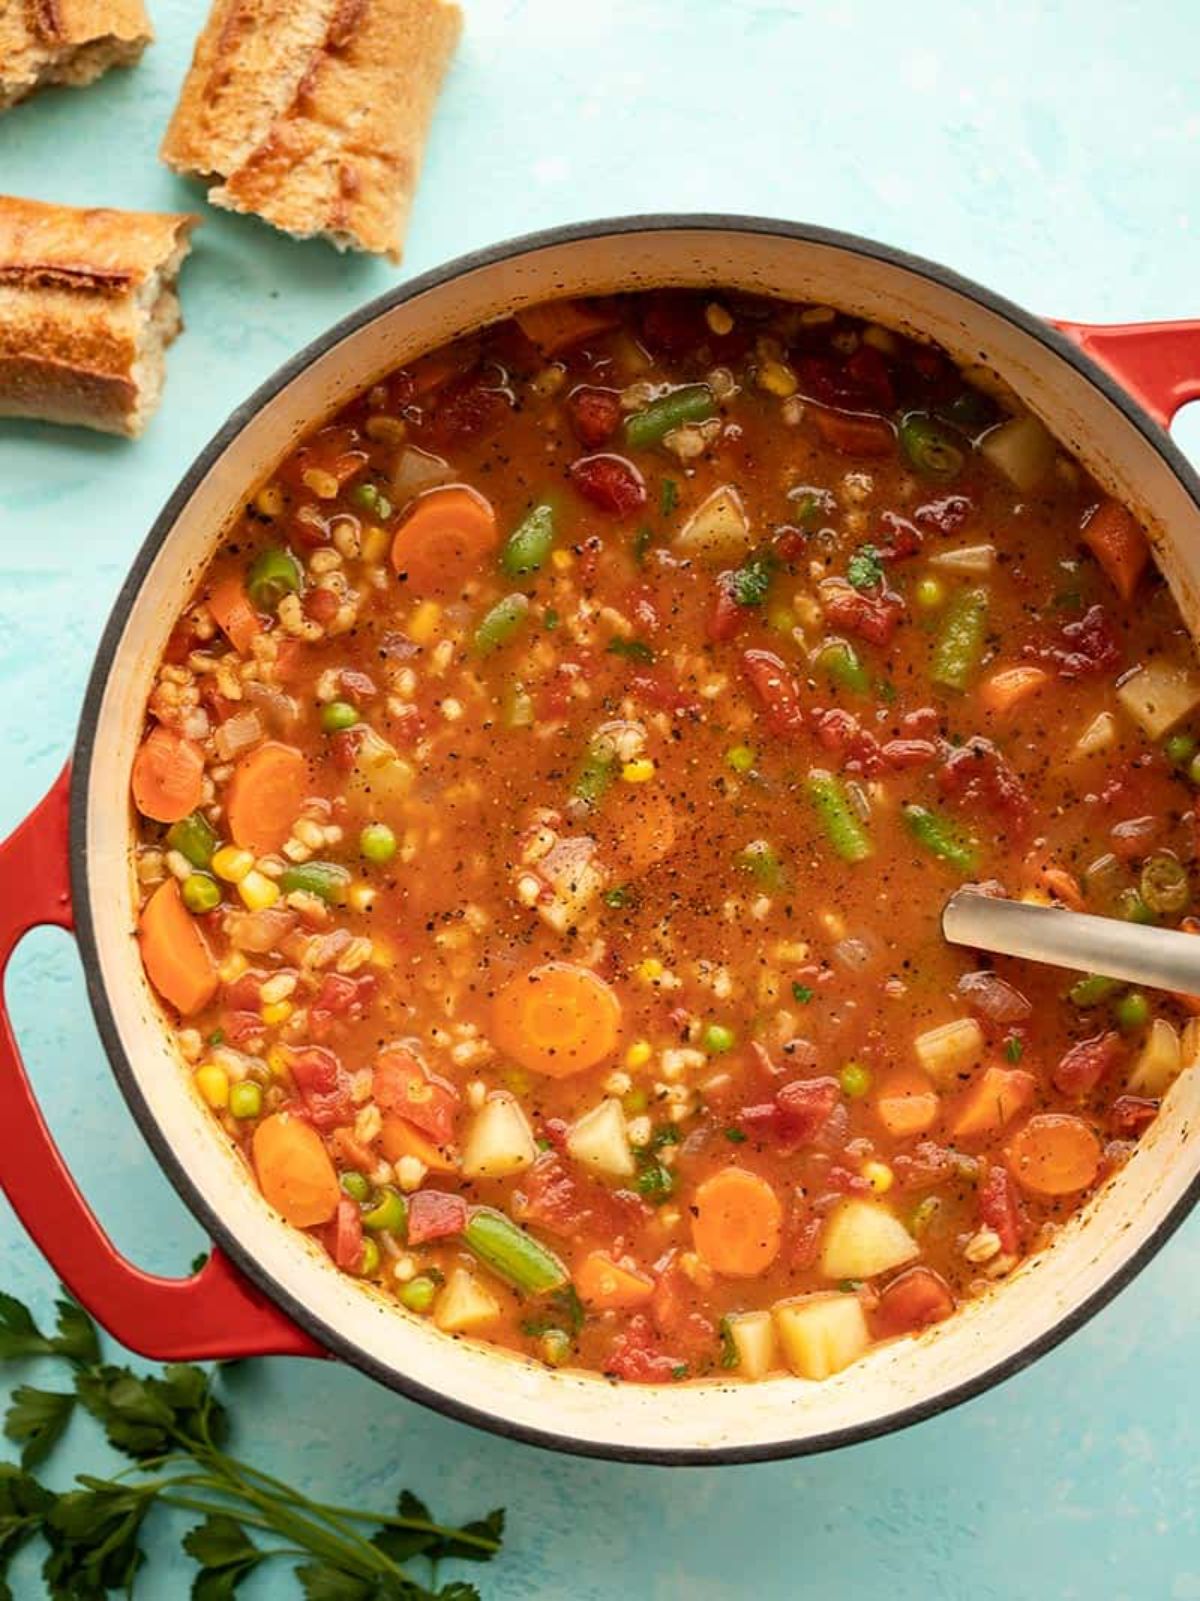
<point>761,862</point>
<point>941,838</point>
<point>1164,885</point>
<point>368,1262</point>
<point>355,1185</point>
<point>245,1099</point>
<point>740,758</point>
<point>370,498</point>
<point>529,544</point>
<point>1132,1012</point>
<point>690,403</point>
<point>841,663</point>
<point>339,714</point>
<point>328,880</point>
<point>930,449</point>
<point>377,844</point>
<point>273,574</point>
<point>518,708</point>
<point>959,643</point>
<point>194,838</point>
<point>201,893</point>
<point>388,1212</point>
<point>512,1254</point>
<point>1091,989</point>
<point>417,1295</point>
<point>1130,905</point>
<point>840,822</point>
<point>500,624</point>
<point>597,773</point>
<point>556,1347</point>
<point>1179,749</point>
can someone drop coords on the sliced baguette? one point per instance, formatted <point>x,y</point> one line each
<point>87,307</point>
<point>66,42</point>
<point>312,114</point>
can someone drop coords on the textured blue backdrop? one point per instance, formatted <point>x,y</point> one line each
<point>1046,147</point>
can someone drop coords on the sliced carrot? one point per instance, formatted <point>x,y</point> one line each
<point>265,795</point>
<point>608,1286</point>
<point>736,1223</point>
<point>1057,882</point>
<point>1010,686</point>
<point>556,325</point>
<point>999,1095</point>
<point>175,953</point>
<point>1054,1154</point>
<point>907,1103</point>
<point>294,1171</point>
<point>168,776</point>
<point>1113,536</point>
<point>234,614</point>
<point>643,823</point>
<point>351,1152</point>
<point>399,1138</point>
<point>557,1019</point>
<point>446,532</point>
<point>854,435</point>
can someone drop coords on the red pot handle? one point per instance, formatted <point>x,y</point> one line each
<point>1158,362</point>
<point>217,1313</point>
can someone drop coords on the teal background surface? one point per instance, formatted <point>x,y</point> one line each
<point>1050,148</point>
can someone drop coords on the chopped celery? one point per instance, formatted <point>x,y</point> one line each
<point>841,824</point>
<point>940,837</point>
<point>959,643</point>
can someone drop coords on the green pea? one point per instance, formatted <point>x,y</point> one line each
<point>371,499</point>
<point>1091,990</point>
<point>855,1080</point>
<point>194,838</point>
<point>1132,1012</point>
<point>390,1212</point>
<point>368,1262</point>
<point>377,843</point>
<point>500,624</point>
<point>1180,749</point>
<point>327,880</point>
<point>740,758</point>
<point>273,574</point>
<point>201,893</point>
<point>1194,770</point>
<point>635,1103</point>
<point>245,1099</point>
<point>717,1039</point>
<point>929,448</point>
<point>355,1186</point>
<point>337,715</point>
<point>556,1347</point>
<point>417,1295</point>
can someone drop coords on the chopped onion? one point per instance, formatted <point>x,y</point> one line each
<point>236,734</point>
<point>260,932</point>
<point>278,711</point>
<point>416,470</point>
<point>991,997</point>
<point>855,955</point>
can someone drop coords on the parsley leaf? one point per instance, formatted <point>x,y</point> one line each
<point>618,897</point>
<point>750,583</point>
<point>865,569</point>
<point>642,541</point>
<point>802,994</point>
<point>735,1136</point>
<point>36,1421</point>
<point>634,649</point>
<point>225,1552</point>
<point>1014,1048</point>
<point>729,1350</point>
<point>668,496</point>
<point>656,1182</point>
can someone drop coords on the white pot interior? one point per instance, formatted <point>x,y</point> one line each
<point>582,1410</point>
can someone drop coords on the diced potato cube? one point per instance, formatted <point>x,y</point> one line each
<point>464,1305</point>
<point>500,1141</point>
<point>863,1238</point>
<point>1097,736</point>
<point>753,1336</point>
<point>978,560</point>
<point>1158,1062</point>
<point>1022,449</point>
<point>947,1052</point>
<point>995,1100</point>
<point>1159,695</point>
<point>599,1141</point>
<point>821,1334</point>
<point>718,530</point>
<point>379,775</point>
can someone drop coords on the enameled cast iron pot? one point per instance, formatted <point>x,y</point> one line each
<point>1107,393</point>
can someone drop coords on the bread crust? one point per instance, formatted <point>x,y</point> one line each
<point>312,114</point>
<point>66,42</point>
<point>87,304</point>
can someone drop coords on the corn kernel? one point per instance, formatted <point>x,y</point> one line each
<point>382,954</point>
<point>269,500</point>
<point>561,560</point>
<point>276,1012</point>
<point>638,1054</point>
<point>232,864</point>
<point>324,485</point>
<point>213,1083</point>
<point>424,621</point>
<point>649,969</point>
<point>257,890</point>
<point>361,897</point>
<point>278,1063</point>
<point>878,1175</point>
<point>776,379</point>
<point>374,543</point>
<point>639,772</point>
<point>718,319</point>
<point>234,965</point>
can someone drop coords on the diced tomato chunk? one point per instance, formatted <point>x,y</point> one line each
<point>855,435</point>
<point>323,1083</point>
<point>637,1356</point>
<point>242,1029</point>
<point>946,516</point>
<point>999,1208</point>
<point>901,754</point>
<point>435,1215</point>
<point>405,1087</point>
<point>1088,1062</point>
<point>899,538</point>
<point>339,997</point>
<point>726,618</point>
<point>841,733</point>
<point>977,775</point>
<point>242,995</point>
<point>1130,1114</point>
<point>611,483</point>
<point>468,407</point>
<point>321,605</point>
<point>1083,648</point>
<point>873,616</point>
<point>914,1300</point>
<point>777,691</point>
<point>795,1117</point>
<point>567,1203</point>
<point>595,414</point>
<point>344,1236</point>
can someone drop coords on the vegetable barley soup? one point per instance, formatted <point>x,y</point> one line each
<point>548,801</point>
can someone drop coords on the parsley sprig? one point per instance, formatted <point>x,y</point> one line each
<point>175,1429</point>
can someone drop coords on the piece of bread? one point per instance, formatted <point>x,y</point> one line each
<point>313,113</point>
<point>87,307</point>
<point>66,41</point>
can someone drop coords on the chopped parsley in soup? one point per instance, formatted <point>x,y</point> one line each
<point>547,803</point>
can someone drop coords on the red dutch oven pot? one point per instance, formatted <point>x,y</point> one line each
<point>1108,393</point>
